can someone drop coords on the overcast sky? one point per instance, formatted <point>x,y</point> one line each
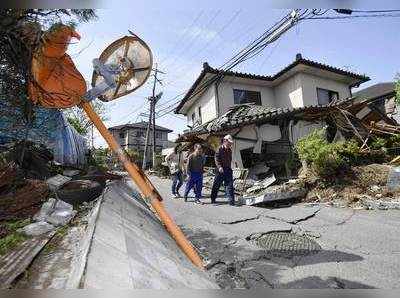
<point>183,36</point>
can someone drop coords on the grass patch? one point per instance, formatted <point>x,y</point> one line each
<point>12,226</point>
<point>10,241</point>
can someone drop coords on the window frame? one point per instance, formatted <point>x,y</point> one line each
<point>330,93</point>
<point>257,102</point>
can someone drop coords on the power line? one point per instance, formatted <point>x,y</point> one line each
<point>252,49</point>
<point>193,39</point>
<point>356,16</point>
<point>226,25</point>
<point>177,43</point>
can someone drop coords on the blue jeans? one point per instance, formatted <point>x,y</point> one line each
<point>177,181</point>
<point>195,181</point>
<point>227,178</point>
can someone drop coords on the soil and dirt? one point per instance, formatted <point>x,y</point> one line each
<point>350,186</point>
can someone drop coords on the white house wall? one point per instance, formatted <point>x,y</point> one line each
<point>289,94</point>
<point>208,107</point>
<point>226,100</point>
<point>310,83</point>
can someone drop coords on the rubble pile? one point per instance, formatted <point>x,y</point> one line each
<point>264,192</point>
<point>373,186</point>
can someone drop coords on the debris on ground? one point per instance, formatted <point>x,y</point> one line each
<point>364,187</point>
<point>35,159</point>
<point>78,191</point>
<point>61,215</point>
<point>7,174</point>
<point>24,201</point>
<point>260,169</point>
<point>71,173</point>
<point>36,228</point>
<point>57,181</point>
<point>371,203</point>
<point>260,185</point>
<point>275,193</point>
<point>393,182</point>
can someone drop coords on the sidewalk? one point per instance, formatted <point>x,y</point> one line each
<point>132,250</point>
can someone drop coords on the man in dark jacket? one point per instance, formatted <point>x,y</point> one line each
<point>223,160</point>
<point>194,170</point>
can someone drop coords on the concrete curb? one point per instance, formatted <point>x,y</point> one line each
<point>78,264</point>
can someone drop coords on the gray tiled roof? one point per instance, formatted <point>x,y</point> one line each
<point>246,114</point>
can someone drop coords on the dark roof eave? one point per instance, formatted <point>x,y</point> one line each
<point>207,69</point>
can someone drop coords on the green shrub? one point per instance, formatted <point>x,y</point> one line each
<point>327,159</point>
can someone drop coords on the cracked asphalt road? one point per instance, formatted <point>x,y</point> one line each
<point>360,248</point>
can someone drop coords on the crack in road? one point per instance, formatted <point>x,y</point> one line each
<point>240,220</point>
<point>293,222</point>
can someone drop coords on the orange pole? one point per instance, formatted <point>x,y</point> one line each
<point>146,187</point>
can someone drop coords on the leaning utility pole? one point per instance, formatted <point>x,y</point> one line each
<point>152,119</point>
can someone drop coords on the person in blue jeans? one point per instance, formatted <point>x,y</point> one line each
<point>223,160</point>
<point>174,162</point>
<point>194,170</point>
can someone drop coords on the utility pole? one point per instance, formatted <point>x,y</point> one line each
<point>152,118</point>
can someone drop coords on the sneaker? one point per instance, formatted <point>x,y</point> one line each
<point>197,201</point>
<point>174,196</point>
<point>178,195</point>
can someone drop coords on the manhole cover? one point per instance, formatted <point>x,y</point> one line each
<point>287,244</point>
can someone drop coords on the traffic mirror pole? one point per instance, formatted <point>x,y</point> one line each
<point>145,186</point>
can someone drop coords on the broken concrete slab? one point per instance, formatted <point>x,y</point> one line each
<point>293,214</point>
<point>55,212</point>
<point>45,210</point>
<point>36,228</point>
<point>60,217</point>
<point>276,193</point>
<point>57,181</point>
<point>259,185</point>
<point>71,173</point>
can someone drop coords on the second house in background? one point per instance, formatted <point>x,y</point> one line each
<point>133,136</point>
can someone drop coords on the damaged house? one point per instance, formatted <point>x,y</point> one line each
<point>266,115</point>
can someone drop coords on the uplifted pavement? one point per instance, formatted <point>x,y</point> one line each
<point>359,248</point>
<point>131,249</point>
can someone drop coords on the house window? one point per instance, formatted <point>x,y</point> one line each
<point>326,96</point>
<point>193,118</point>
<point>246,96</point>
<point>139,133</point>
<point>158,135</point>
<point>199,109</point>
<point>122,135</point>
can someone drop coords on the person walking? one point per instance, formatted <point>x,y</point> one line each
<point>223,160</point>
<point>174,161</point>
<point>194,170</point>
